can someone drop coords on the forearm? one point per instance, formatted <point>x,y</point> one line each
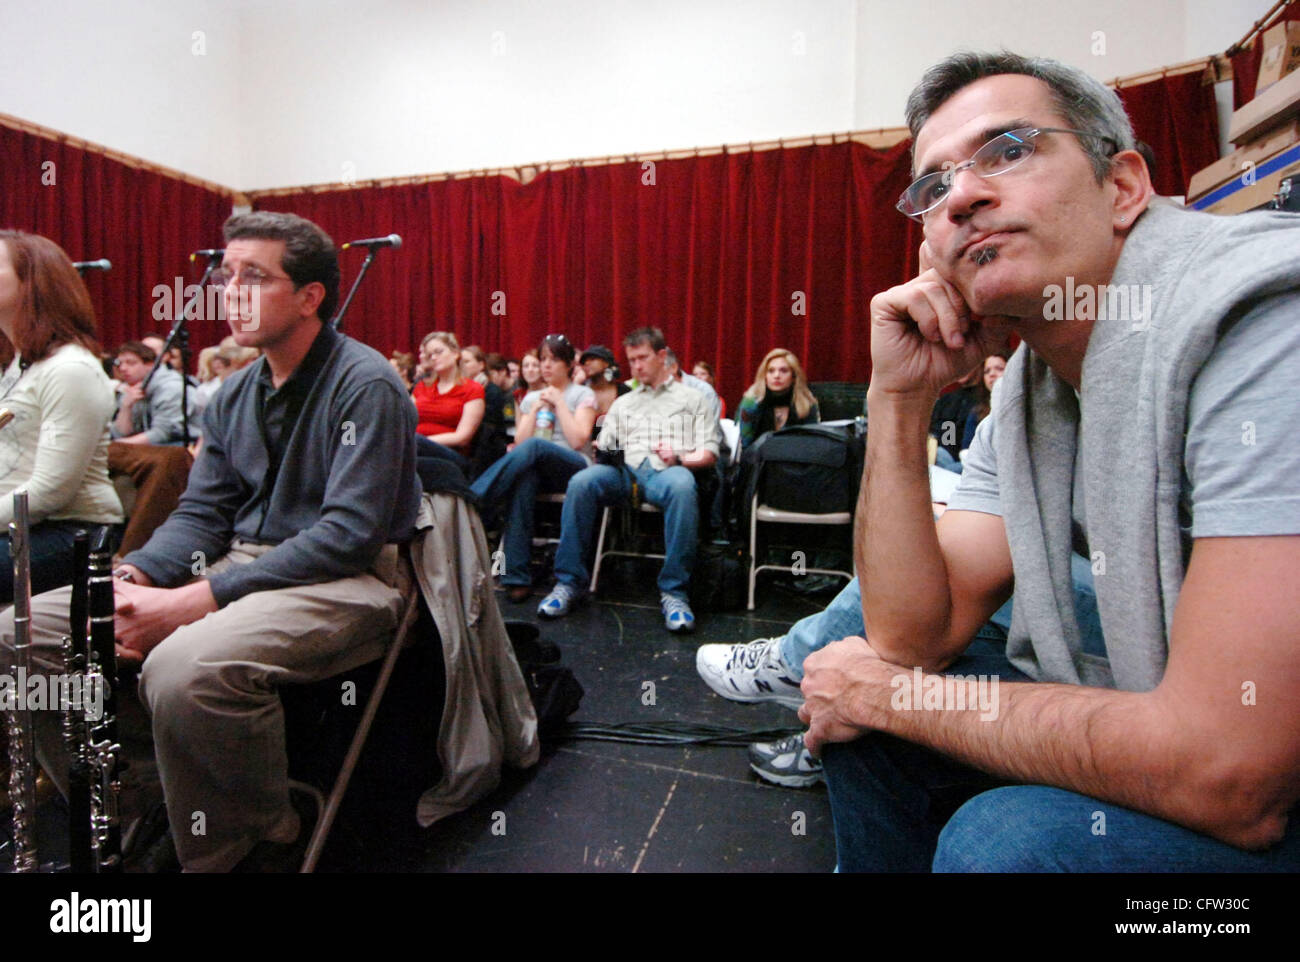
<point>906,600</point>
<point>1133,749</point>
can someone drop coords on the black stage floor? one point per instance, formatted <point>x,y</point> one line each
<point>594,806</point>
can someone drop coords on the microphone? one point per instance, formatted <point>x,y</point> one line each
<point>212,252</point>
<point>103,264</point>
<point>392,240</point>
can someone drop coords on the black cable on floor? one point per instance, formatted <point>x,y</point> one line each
<point>669,733</point>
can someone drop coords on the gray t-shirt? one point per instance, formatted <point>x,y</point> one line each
<point>575,396</point>
<point>1241,472</point>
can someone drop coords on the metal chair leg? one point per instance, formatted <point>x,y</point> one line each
<point>326,820</point>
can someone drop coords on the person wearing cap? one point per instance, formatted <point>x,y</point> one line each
<point>600,366</point>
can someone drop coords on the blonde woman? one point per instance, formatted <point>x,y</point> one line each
<point>450,405</point>
<point>778,398</point>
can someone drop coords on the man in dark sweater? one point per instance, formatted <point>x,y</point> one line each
<point>280,563</point>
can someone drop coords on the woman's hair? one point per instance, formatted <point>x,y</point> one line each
<point>406,362</point>
<point>453,345</point>
<point>476,353</point>
<point>708,368</point>
<point>205,363</point>
<point>55,308</point>
<point>559,347</point>
<point>801,397</point>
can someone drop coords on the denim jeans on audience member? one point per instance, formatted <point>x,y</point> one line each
<point>533,467</point>
<point>843,617</point>
<point>672,489</point>
<point>899,807</point>
<point>51,557</point>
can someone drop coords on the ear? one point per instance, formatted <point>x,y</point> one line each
<point>312,295</point>
<point>1133,191</point>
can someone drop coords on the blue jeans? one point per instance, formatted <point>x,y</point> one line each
<point>600,486</point>
<point>843,617</point>
<point>51,556</point>
<point>531,468</point>
<point>900,807</point>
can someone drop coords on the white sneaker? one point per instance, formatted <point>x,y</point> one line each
<point>749,672</point>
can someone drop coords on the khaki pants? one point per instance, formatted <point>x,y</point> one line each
<point>210,688</point>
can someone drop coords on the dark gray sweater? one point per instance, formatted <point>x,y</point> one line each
<point>346,485</point>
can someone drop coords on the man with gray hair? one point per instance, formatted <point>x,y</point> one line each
<point>1151,434</point>
<point>279,565</point>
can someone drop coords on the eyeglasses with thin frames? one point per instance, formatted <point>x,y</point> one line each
<point>246,277</point>
<point>1005,152</point>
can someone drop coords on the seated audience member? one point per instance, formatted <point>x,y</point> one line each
<point>404,364</point>
<point>530,375</point>
<point>995,365</point>
<point>542,461</point>
<point>512,365</point>
<point>660,431</point>
<point>450,406</point>
<point>948,418</point>
<point>473,364</point>
<point>693,382</point>
<point>598,363</point>
<point>704,371</point>
<point>498,416</point>
<point>778,398</point>
<point>1098,440</point>
<point>149,441</point>
<point>56,446</point>
<point>302,578</point>
<point>149,415</point>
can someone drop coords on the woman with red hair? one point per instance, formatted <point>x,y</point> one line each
<point>56,446</point>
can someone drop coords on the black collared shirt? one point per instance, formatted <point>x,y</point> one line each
<point>278,408</point>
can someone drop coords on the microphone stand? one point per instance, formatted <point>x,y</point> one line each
<point>337,321</point>
<point>371,246</point>
<point>179,332</point>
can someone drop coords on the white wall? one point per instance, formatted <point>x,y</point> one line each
<point>125,73</point>
<point>292,92</point>
<point>409,87</point>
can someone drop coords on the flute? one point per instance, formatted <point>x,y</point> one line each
<point>22,747</point>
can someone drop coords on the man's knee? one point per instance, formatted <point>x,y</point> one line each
<point>677,484</point>
<point>1019,828</point>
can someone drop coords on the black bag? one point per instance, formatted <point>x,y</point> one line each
<point>718,580</point>
<point>555,692</point>
<point>811,468</point>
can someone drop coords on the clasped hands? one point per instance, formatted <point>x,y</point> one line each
<point>144,615</point>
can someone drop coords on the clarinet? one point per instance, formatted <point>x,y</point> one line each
<point>80,839</point>
<point>22,748</point>
<point>103,750</point>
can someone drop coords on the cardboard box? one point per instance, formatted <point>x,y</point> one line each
<point>1281,54</point>
<point>1254,189</point>
<point>1274,106</point>
<point>1237,162</point>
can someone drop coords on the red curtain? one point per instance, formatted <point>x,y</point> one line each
<point>1176,117</point>
<point>93,206</point>
<point>1245,63</point>
<point>731,254</point>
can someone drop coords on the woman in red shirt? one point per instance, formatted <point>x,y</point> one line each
<point>450,406</point>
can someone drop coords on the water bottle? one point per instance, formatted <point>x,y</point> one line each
<point>545,424</point>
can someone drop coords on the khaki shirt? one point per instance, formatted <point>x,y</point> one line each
<point>675,413</point>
